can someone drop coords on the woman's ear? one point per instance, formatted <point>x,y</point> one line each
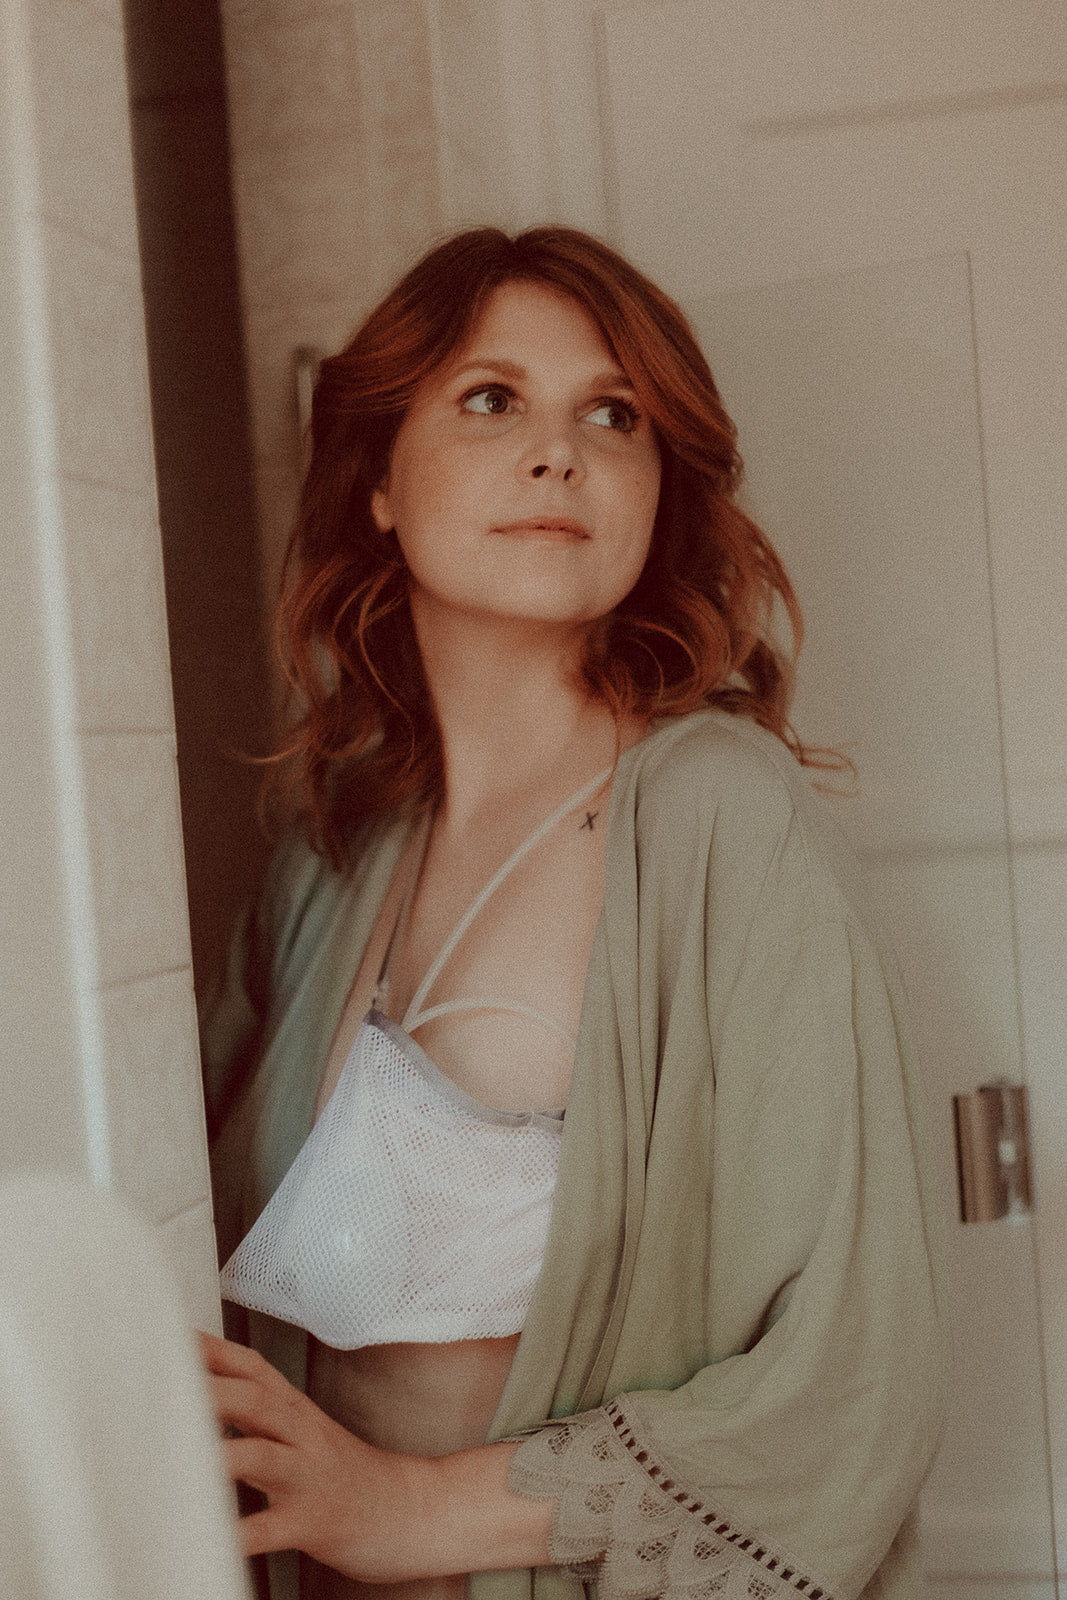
<point>379,508</point>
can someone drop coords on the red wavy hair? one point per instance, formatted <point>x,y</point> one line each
<point>695,631</point>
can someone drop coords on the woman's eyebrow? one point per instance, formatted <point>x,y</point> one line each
<point>610,378</point>
<point>499,365</point>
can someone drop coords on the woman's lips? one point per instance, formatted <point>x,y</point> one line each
<point>563,530</point>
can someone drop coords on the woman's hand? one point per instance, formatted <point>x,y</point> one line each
<point>371,1514</point>
<point>329,1494</point>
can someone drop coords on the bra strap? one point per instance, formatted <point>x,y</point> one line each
<point>487,1003</point>
<point>411,1016</point>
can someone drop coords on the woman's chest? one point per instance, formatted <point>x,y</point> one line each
<point>490,985</point>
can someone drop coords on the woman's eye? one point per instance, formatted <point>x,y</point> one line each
<point>617,414</point>
<point>489,402</point>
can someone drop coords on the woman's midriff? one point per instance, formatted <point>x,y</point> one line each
<point>419,1399</point>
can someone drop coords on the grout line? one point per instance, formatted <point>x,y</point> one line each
<point>112,985</point>
<point>184,1211</point>
<point>146,494</point>
<point>103,731</point>
<point>72,230</point>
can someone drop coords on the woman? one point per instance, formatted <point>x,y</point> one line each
<point>553,822</point>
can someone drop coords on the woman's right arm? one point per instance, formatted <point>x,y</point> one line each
<point>783,1240</point>
<point>374,1515</point>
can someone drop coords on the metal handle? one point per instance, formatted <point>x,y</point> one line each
<point>993,1152</point>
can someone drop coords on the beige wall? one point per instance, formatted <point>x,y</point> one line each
<point>98,1057</point>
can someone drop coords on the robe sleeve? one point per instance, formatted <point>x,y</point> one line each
<point>238,1016</point>
<point>787,1465</point>
<point>232,1019</point>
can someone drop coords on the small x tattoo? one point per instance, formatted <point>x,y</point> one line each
<point>590,818</point>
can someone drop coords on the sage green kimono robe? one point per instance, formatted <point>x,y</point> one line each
<point>739,1256</point>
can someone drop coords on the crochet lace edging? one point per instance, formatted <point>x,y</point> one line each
<point>625,1521</point>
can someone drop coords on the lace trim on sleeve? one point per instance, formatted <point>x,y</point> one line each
<point>623,1520</point>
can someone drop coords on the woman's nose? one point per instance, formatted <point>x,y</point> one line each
<point>554,453</point>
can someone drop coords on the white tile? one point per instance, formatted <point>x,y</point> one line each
<point>493,71</point>
<point>296,80</point>
<point>83,124</point>
<point>277,490</point>
<point>400,131</point>
<point>42,1121</point>
<point>256,15</point>
<point>155,1098</point>
<point>274,333</point>
<point>298,156</point>
<point>109,10</point>
<point>135,847</point>
<point>118,610</point>
<point>302,214</point>
<point>100,366</point>
<point>334,141</point>
<point>188,1242</point>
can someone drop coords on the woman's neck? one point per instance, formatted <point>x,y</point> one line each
<point>514,718</point>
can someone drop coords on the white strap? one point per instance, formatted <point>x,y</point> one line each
<point>480,1003</point>
<point>528,844</point>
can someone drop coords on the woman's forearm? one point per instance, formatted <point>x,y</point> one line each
<point>470,1521</point>
<point>375,1515</point>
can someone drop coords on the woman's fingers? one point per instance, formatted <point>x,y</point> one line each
<point>264,1531</point>
<point>258,1462</point>
<point>227,1359</point>
<point>329,1493</point>
<point>252,1396</point>
<point>250,1407</point>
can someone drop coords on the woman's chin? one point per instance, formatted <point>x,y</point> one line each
<point>520,612</point>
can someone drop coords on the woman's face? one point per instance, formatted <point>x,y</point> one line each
<point>524,481</point>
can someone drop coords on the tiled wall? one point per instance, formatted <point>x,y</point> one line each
<point>335,188</point>
<point>98,1056</point>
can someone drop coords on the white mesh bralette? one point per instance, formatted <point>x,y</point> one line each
<point>412,1213</point>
